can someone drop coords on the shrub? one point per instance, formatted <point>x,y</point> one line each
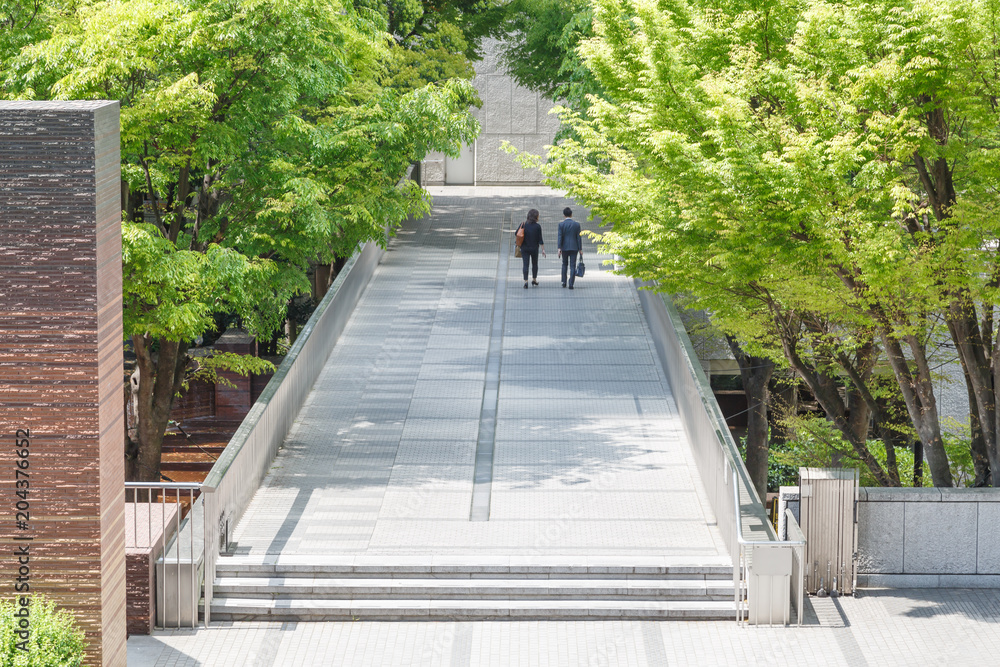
<point>817,443</point>
<point>55,640</point>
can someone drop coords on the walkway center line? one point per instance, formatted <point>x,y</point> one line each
<point>482,486</point>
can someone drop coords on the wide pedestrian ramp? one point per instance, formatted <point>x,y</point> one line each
<point>473,449</point>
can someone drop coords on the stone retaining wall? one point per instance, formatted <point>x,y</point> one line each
<point>929,538</point>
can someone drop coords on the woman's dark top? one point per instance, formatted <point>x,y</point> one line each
<point>532,237</point>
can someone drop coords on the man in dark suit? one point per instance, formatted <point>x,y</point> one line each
<point>569,245</point>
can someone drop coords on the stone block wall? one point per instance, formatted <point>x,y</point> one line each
<point>509,113</point>
<point>61,362</point>
<point>929,538</point>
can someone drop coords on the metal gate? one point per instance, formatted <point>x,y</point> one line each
<point>828,517</point>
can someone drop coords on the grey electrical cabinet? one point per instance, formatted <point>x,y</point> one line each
<point>828,518</point>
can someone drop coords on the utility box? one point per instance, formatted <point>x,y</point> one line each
<point>828,517</point>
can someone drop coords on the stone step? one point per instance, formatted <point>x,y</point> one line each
<point>472,567</point>
<point>261,609</point>
<point>353,588</point>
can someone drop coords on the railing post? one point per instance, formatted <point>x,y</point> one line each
<point>207,503</point>
<point>183,527</point>
<point>771,565</point>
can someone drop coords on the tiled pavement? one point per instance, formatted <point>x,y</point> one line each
<point>878,628</point>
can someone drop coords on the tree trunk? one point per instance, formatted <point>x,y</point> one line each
<point>892,467</point>
<point>131,203</point>
<point>756,375</point>
<point>827,393</point>
<point>160,377</point>
<point>921,405</point>
<point>862,404</point>
<point>859,416</point>
<point>976,361</point>
<point>322,279</point>
<point>917,390</point>
<point>977,443</point>
<point>888,429</point>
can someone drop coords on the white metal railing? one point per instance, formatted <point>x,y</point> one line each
<point>162,520</point>
<point>732,497</point>
<point>191,542</point>
<point>792,585</point>
<point>797,538</point>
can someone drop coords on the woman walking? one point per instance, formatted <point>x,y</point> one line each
<point>532,244</point>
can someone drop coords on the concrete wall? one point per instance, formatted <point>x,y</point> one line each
<point>929,538</point>
<point>509,113</point>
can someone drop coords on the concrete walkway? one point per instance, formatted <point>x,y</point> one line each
<point>462,415</point>
<point>878,628</point>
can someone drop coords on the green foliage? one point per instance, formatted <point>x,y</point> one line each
<point>541,51</point>
<point>209,365</point>
<point>411,69</point>
<point>433,41</point>
<point>816,443</point>
<point>172,293</point>
<point>819,176</point>
<point>264,139</point>
<point>23,22</point>
<point>55,640</point>
<point>258,131</point>
<point>956,441</point>
<point>778,473</point>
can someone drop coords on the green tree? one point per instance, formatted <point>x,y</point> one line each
<point>675,218</point>
<point>257,136</point>
<point>806,157</point>
<point>434,40</point>
<point>55,639</point>
<point>540,50</point>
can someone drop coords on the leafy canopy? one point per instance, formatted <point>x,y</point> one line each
<point>817,173</point>
<point>258,132</point>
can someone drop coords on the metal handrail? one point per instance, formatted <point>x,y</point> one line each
<point>739,524</point>
<point>792,525</point>
<point>198,582</point>
<point>740,566</point>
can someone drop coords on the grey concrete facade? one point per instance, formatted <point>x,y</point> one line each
<point>929,538</point>
<point>509,113</point>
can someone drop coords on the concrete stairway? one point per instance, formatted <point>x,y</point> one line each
<point>411,588</point>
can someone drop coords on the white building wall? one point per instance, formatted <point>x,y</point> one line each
<point>509,113</point>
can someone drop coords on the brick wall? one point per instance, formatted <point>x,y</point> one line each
<point>61,358</point>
